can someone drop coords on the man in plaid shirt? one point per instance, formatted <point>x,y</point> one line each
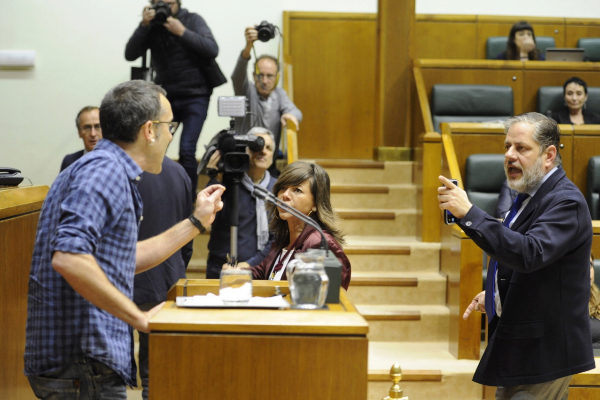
<point>80,313</point>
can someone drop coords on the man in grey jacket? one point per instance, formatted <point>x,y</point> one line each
<point>270,107</point>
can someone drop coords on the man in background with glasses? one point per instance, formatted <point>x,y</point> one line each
<point>183,52</point>
<point>270,106</point>
<point>80,310</point>
<point>90,132</point>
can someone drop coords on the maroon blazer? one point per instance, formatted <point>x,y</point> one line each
<point>310,238</point>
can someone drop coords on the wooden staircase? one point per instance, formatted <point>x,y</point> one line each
<point>396,281</point>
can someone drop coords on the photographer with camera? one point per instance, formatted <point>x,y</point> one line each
<point>253,230</point>
<point>270,107</point>
<point>183,52</point>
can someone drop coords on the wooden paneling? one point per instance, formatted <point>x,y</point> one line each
<point>335,87</point>
<point>257,367</point>
<point>566,152</point>
<point>336,83</point>
<point>19,209</point>
<point>578,28</point>
<point>257,354</point>
<point>453,35</point>
<point>586,143</point>
<point>470,32</point>
<point>461,262</point>
<point>596,240</point>
<point>395,28</point>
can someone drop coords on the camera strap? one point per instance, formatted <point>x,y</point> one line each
<point>279,66</point>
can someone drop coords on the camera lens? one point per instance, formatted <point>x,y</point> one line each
<point>266,31</point>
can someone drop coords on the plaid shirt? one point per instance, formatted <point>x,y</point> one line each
<point>93,207</point>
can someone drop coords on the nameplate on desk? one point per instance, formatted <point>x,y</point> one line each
<point>214,301</point>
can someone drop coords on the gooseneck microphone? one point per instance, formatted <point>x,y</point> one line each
<point>266,195</point>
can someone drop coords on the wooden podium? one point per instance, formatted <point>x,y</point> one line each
<point>19,213</point>
<point>256,354</point>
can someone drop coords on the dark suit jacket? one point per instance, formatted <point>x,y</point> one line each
<point>562,117</point>
<point>544,283</point>
<point>310,238</point>
<point>70,159</point>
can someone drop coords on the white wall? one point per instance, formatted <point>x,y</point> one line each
<point>79,48</point>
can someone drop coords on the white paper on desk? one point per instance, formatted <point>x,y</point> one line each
<point>214,301</point>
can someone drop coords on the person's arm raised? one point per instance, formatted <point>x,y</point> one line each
<point>153,251</point>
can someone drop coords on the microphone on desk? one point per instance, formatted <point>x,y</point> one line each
<point>333,266</point>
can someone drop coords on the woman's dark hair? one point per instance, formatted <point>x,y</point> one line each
<point>126,107</point>
<point>576,80</point>
<point>512,52</point>
<point>293,175</point>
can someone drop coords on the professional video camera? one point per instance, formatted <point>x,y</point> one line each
<point>232,146</point>
<point>266,31</point>
<point>163,11</point>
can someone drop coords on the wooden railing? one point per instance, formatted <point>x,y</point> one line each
<point>289,132</point>
<point>291,140</point>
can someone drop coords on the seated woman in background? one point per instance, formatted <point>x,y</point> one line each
<point>594,308</point>
<point>521,44</point>
<point>304,186</point>
<point>573,112</point>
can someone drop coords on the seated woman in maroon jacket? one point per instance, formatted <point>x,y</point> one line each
<point>304,186</point>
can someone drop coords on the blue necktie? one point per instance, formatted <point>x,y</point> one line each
<point>490,304</point>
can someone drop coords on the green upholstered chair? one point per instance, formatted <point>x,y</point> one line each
<point>484,176</point>
<point>495,45</point>
<point>591,46</point>
<point>543,42</point>
<point>470,103</point>
<point>550,98</point>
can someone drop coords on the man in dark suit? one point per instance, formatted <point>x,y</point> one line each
<point>90,132</point>
<point>538,292</point>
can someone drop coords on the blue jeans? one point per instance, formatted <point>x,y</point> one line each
<point>83,379</point>
<point>191,112</point>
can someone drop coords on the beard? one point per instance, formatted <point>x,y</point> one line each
<point>530,179</point>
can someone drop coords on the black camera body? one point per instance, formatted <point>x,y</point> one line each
<point>163,11</point>
<point>234,159</point>
<point>266,31</point>
<point>232,146</point>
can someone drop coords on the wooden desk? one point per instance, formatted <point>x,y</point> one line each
<point>19,213</point>
<point>256,354</point>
